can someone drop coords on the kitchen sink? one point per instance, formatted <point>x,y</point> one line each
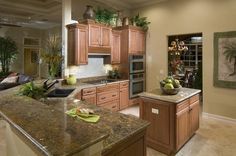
<point>60,92</point>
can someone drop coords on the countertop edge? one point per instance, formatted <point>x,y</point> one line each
<point>155,97</point>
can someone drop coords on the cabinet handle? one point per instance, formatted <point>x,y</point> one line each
<point>190,109</point>
<point>113,107</point>
<point>114,95</point>
<point>103,98</point>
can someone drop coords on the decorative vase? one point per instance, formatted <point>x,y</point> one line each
<point>125,21</point>
<point>118,19</point>
<point>89,13</point>
<point>71,80</point>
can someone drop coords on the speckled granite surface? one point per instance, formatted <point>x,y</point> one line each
<point>183,94</point>
<point>52,132</point>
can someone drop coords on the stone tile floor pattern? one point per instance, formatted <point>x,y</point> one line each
<point>214,138</point>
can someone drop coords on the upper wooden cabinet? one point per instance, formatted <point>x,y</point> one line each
<point>133,40</point>
<point>115,48</point>
<point>77,44</point>
<point>99,38</point>
<point>94,35</point>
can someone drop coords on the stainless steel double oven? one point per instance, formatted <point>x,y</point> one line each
<point>137,75</point>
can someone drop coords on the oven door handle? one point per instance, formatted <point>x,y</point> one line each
<point>140,80</point>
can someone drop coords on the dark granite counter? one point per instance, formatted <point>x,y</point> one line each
<point>52,132</point>
<point>183,94</point>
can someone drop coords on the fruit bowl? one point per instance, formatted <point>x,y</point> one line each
<point>173,91</point>
<point>170,86</point>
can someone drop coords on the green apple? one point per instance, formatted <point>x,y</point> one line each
<point>176,83</point>
<point>169,86</point>
<point>167,80</point>
<point>162,83</point>
<point>71,80</point>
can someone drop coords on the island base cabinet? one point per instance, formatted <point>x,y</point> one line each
<point>133,146</point>
<point>160,132</point>
<point>172,124</point>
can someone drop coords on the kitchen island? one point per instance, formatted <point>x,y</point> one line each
<point>174,118</point>
<point>45,129</point>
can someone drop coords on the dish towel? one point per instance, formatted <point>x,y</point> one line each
<point>92,118</point>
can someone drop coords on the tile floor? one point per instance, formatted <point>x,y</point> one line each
<point>214,138</point>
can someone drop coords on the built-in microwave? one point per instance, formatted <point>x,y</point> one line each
<point>137,63</point>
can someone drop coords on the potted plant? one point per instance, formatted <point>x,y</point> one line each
<point>8,51</point>
<point>52,55</point>
<point>32,90</point>
<point>105,16</point>
<point>140,22</point>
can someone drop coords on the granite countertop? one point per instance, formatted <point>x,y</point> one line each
<point>52,132</point>
<point>183,94</point>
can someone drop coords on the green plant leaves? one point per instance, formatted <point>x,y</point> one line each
<point>140,22</point>
<point>31,90</point>
<point>8,51</point>
<point>104,16</point>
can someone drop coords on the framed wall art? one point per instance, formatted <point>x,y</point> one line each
<point>225,59</point>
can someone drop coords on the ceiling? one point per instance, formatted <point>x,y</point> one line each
<point>30,13</point>
<point>44,14</point>
<point>129,4</point>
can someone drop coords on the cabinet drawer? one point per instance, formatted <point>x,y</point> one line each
<point>90,98</point>
<point>135,101</point>
<point>194,98</point>
<point>107,96</point>
<point>89,91</point>
<point>109,87</point>
<point>182,105</point>
<point>124,85</point>
<point>112,105</point>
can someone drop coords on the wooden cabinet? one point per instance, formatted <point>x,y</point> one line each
<point>115,48</point>
<point>124,95</point>
<point>89,95</point>
<point>160,132</point>
<point>194,118</point>
<point>105,37</point>
<point>182,127</point>
<point>172,124</point>
<point>113,96</point>
<point>77,44</point>
<point>94,35</point>
<point>99,38</point>
<point>108,96</point>
<point>136,39</point>
<point>134,145</point>
<point>90,98</point>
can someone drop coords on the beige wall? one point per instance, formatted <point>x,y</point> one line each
<point>191,16</point>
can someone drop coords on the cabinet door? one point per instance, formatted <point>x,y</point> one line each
<point>105,37</point>
<point>72,46</point>
<point>133,41</point>
<point>124,98</point>
<point>78,45</point>
<point>82,48</point>
<point>141,42</point>
<point>182,127</point>
<point>115,48</point>
<point>90,98</point>
<point>194,117</point>
<point>94,35</point>
<point>158,114</point>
